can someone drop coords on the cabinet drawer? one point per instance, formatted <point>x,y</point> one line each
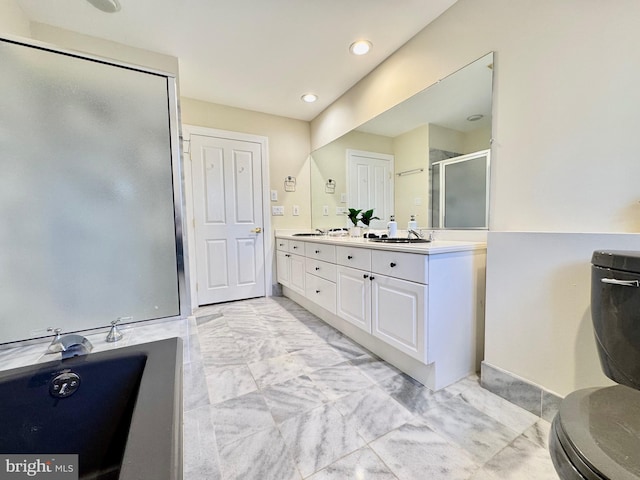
<point>296,246</point>
<point>407,266</point>
<point>321,269</point>
<point>321,291</point>
<point>282,244</point>
<point>321,251</point>
<point>354,257</point>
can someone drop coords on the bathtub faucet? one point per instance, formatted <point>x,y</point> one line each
<point>70,345</point>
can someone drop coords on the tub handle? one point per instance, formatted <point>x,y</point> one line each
<point>623,283</point>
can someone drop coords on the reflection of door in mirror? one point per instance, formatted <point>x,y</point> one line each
<point>371,184</point>
<point>460,191</point>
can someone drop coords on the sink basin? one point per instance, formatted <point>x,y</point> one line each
<point>399,240</point>
<point>307,234</point>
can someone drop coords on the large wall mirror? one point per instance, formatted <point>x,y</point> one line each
<point>428,156</point>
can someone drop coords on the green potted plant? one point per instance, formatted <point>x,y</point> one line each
<point>366,218</point>
<point>353,215</point>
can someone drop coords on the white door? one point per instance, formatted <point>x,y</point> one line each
<point>371,184</point>
<point>227,200</point>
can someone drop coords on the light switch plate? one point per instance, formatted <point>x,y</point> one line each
<point>325,210</point>
<point>277,210</point>
<point>343,198</point>
<point>274,195</point>
<point>296,210</point>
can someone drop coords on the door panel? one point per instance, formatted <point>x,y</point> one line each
<point>371,184</point>
<point>227,197</point>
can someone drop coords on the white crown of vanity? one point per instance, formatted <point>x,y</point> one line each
<point>418,306</point>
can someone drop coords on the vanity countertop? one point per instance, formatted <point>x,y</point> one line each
<point>432,248</point>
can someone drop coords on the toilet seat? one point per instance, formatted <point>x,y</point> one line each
<point>598,429</point>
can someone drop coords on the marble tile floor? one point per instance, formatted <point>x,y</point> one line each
<point>288,397</point>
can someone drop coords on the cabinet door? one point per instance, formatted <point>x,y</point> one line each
<point>399,314</point>
<point>297,272</point>
<point>282,267</point>
<point>353,301</point>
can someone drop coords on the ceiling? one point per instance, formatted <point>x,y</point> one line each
<point>260,55</point>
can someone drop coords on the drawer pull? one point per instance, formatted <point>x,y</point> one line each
<point>349,257</point>
<point>392,264</point>
<point>287,255</point>
<point>365,276</point>
<point>317,251</point>
<point>622,283</point>
<point>317,268</point>
<point>317,291</point>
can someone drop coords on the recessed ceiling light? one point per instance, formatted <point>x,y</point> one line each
<point>476,117</point>
<point>108,6</point>
<point>361,47</point>
<point>309,97</point>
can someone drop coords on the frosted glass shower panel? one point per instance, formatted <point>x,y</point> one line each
<point>460,191</point>
<point>87,227</point>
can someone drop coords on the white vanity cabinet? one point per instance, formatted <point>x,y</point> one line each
<point>389,308</point>
<point>291,266</point>
<point>419,308</point>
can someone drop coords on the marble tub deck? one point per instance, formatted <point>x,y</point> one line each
<point>273,393</point>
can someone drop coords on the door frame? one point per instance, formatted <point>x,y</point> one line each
<point>187,131</point>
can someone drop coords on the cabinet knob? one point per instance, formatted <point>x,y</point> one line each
<point>392,264</point>
<point>349,257</point>
<point>371,278</point>
<point>317,251</point>
<point>365,276</point>
<point>287,255</point>
<point>317,291</point>
<point>295,248</point>
<point>317,268</point>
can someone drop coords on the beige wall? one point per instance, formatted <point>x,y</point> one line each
<point>411,152</point>
<point>104,48</point>
<point>288,151</point>
<point>13,21</point>
<point>331,162</point>
<point>563,157</point>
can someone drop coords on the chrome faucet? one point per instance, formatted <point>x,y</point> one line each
<point>322,232</point>
<point>70,345</point>
<point>411,231</point>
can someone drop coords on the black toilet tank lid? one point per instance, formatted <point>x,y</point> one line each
<point>629,261</point>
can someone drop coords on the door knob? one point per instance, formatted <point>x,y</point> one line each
<point>257,230</point>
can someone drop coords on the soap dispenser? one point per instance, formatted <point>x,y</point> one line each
<point>412,225</point>
<point>392,227</point>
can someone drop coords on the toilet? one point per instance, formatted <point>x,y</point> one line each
<point>596,432</point>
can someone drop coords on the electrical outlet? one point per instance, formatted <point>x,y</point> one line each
<point>277,210</point>
<point>325,210</point>
<point>296,210</point>
<point>341,210</point>
<point>274,195</point>
<point>417,201</point>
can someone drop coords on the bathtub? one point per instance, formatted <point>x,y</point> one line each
<point>120,411</point>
